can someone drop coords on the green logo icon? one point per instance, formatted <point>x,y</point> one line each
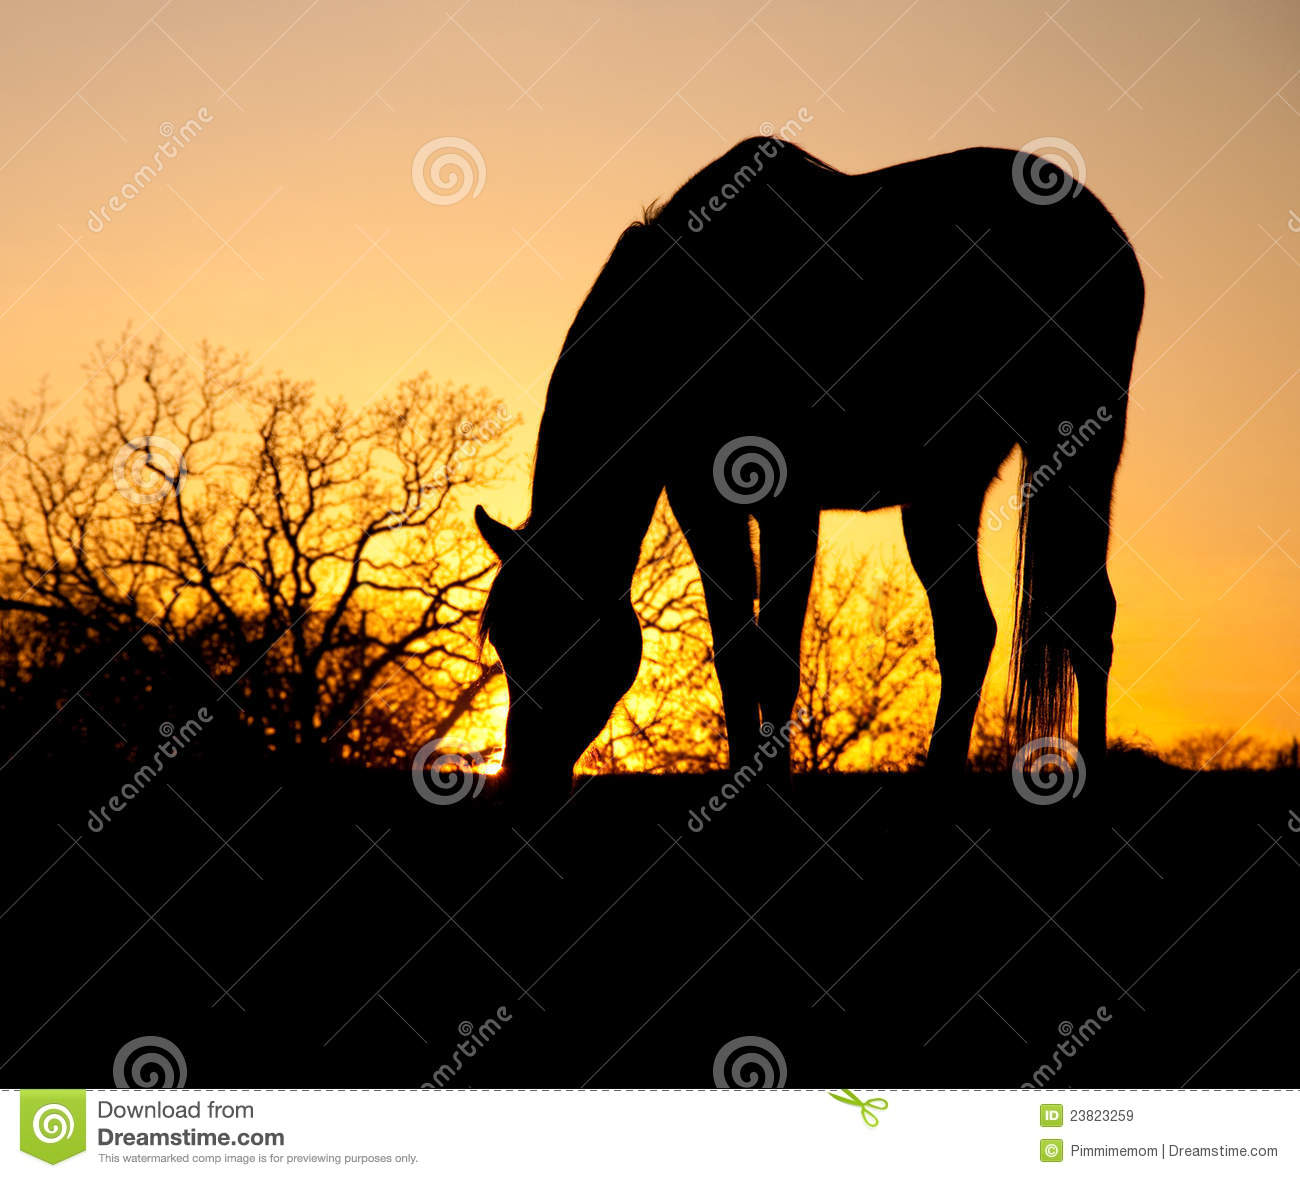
<point>1051,1116</point>
<point>1051,1149</point>
<point>52,1123</point>
<point>868,1108</point>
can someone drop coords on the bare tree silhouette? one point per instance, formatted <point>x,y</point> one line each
<point>869,673</point>
<point>669,722</point>
<point>1225,749</point>
<point>993,746</point>
<point>303,561</point>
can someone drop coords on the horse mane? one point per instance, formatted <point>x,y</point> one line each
<point>752,163</point>
<point>638,248</point>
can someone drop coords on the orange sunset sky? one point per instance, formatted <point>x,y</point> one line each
<point>290,227</point>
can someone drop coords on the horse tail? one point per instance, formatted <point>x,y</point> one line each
<point>1065,605</point>
<point>1042,674</point>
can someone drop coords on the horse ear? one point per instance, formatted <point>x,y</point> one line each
<point>502,540</point>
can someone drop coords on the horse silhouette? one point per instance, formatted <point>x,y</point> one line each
<point>781,339</point>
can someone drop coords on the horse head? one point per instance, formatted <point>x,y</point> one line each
<point>569,651</point>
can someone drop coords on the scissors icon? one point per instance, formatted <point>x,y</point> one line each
<point>870,1119</point>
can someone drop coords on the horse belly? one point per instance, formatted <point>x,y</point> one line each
<point>914,417</point>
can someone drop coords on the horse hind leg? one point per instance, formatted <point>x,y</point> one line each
<point>1088,617</point>
<point>1066,612</point>
<point>943,545</point>
<point>1078,601</point>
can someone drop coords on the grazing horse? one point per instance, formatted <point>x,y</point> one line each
<point>781,339</point>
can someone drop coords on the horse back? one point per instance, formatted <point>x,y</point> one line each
<point>928,313</point>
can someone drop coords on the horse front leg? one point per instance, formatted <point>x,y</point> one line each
<point>720,543</point>
<point>788,557</point>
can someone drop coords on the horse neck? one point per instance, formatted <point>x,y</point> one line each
<point>597,475</point>
<point>595,486</point>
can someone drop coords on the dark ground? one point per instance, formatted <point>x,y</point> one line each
<point>894,929</point>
